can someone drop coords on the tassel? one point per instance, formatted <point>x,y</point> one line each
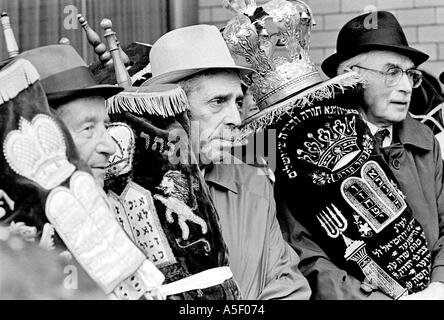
<point>162,100</point>
<point>15,78</point>
<point>325,90</point>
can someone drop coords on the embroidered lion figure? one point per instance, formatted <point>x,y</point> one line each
<point>176,189</point>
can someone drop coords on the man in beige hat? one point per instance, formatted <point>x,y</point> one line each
<point>198,59</point>
<point>78,101</point>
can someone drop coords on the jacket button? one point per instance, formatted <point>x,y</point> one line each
<point>396,164</point>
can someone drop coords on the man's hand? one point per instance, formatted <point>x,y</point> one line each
<point>434,291</point>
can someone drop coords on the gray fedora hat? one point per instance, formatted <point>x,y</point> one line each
<point>64,75</point>
<point>184,52</point>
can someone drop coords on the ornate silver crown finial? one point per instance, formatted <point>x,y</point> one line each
<point>274,39</point>
<point>247,7</point>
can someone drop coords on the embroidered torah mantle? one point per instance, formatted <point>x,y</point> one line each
<point>37,153</point>
<point>162,201</point>
<point>338,186</point>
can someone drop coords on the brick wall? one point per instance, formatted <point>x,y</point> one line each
<point>422,21</point>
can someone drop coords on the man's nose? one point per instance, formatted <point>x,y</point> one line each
<point>405,84</point>
<point>106,145</point>
<point>232,116</point>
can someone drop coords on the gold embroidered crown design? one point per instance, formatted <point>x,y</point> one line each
<point>333,146</point>
<point>258,33</point>
<point>37,151</point>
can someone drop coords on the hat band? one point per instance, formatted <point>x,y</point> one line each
<point>72,79</point>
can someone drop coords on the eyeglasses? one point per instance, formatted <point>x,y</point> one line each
<point>394,74</point>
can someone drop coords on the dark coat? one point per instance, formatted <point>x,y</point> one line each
<point>415,160</point>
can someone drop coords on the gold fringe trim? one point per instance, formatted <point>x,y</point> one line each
<point>159,103</point>
<point>16,78</point>
<point>325,90</point>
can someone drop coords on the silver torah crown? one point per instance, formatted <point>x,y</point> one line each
<point>274,41</point>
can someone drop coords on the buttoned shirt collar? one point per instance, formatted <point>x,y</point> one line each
<point>373,129</point>
<point>409,132</point>
<point>219,175</point>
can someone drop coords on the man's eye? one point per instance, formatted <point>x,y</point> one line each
<point>218,100</point>
<point>393,71</point>
<point>88,130</point>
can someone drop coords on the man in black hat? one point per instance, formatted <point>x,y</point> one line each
<point>381,55</point>
<point>78,101</point>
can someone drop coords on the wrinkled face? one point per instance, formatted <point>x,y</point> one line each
<point>386,105</point>
<point>215,101</point>
<point>86,120</point>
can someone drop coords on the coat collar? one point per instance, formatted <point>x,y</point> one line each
<point>221,175</point>
<point>412,132</point>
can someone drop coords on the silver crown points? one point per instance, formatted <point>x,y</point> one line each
<point>274,40</point>
<point>37,151</point>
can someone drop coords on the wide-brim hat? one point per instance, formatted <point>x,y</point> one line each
<point>187,51</point>
<point>64,75</point>
<point>371,31</point>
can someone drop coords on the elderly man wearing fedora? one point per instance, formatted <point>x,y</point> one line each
<point>78,101</point>
<point>381,55</point>
<point>198,59</point>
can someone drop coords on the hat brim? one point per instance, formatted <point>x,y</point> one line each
<point>330,65</point>
<point>105,91</point>
<point>178,75</point>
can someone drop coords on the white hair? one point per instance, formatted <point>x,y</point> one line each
<point>346,65</point>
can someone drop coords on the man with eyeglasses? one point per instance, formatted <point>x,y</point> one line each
<point>374,45</point>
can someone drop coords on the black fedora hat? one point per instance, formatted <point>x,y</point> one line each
<point>365,33</point>
<point>64,75</point>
